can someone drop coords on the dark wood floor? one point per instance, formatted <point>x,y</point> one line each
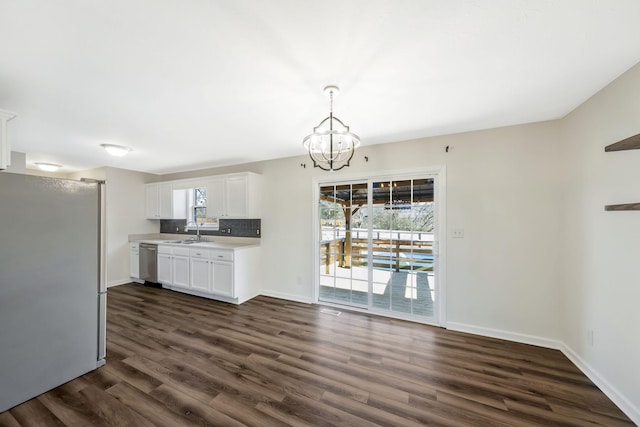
<point>179,360</point>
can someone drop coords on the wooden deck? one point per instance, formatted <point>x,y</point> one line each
<point>179,360</point>
<point>405,291</point>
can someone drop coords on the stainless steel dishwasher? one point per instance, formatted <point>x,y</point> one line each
<point>149,262</point>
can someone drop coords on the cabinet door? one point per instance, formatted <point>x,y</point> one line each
<point>180,266</point>
<point>164,269</point>
<point>134,261</point>
<point>222,278</point>
<point>236,196</point>
<point>215,198</point>
<point>165,200</point>
<point>151,197</point>
<point>179,204</point>
<point>200,274</point>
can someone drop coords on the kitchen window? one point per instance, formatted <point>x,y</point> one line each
<point>197,211</point>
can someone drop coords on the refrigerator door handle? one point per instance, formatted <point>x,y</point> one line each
<point>102,329</point>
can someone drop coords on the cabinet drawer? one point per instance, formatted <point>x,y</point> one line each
<point>164,249</point>
<point>199,253</point>
<point>134,246</point>
<point>222,255</point>
<point>181,251</point>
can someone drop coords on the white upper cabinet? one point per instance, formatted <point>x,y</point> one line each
<point>237,195</point>
<point>163,202</point>
<point>234,196</point>
<point>215,198</point>
<point>152,197</point>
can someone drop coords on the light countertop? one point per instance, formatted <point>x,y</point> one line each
<point>211,243</point>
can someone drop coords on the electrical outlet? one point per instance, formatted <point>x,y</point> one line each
<point>457,233</point>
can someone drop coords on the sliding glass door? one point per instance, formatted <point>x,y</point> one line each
<point>376,246</point>
<point>344,276</point>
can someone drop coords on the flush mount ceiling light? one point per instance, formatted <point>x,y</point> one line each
<point>48,167</point>
<point>116,150</point>
<point>331,145</point>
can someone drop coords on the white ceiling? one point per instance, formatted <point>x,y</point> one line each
<point>190,84</point>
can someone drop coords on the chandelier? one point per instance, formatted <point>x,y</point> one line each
<point>331,145</point>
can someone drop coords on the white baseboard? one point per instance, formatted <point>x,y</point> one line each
<point>122,282</point>
<point>290,297</point>
<point>505,335</point>
<point>625,405</point>
<point>610,391</point>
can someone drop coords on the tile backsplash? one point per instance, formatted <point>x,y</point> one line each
<point>228,227</point>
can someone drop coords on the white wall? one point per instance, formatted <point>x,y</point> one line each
<point>602,249</point>
<point>125,214</point>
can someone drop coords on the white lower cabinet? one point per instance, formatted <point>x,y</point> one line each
<point>165,272</point>
<point>180,265</point>
<point>173,266</point>
<point>223,274</point>
<point>212,271</point>
<point>134,260</point>
<point>222,278</point>
<point>200,266</point>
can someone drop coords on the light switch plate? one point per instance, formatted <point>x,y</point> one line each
<point>457,233</point>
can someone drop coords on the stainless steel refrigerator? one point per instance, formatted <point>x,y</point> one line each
<point>52,284</point>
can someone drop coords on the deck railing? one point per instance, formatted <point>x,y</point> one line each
<point>416,255</point>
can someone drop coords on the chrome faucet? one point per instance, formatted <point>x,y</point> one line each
<point>195,221</point>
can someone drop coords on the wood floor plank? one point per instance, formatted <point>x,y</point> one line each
<point>283,367</point>
<point>358,376</point>
<point>247,415</point>
<point>111,411</point>
<point>191,408</point>
<point>148,407</point>
<point>318,413</point>
<point>367,412</point>
<point>7,420</point>
<point>177,359</point>
<point>478,412</point>
<point>544,417</point>
<point>188,384</point>
<point>283,415</point>
<point>34,413</point>
<point>429,412</point>
<point>72,409</point>
<point>130,375</point>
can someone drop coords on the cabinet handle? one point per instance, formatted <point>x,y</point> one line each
<point>220,256</point>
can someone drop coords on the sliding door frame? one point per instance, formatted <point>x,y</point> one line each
<point>439,246</point>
